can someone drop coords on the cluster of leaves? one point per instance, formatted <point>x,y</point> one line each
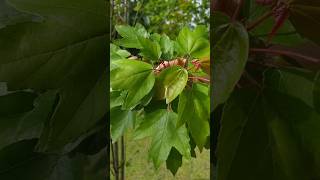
<point>162,92</point>
<point>53,89</point>
<point>266,90</point>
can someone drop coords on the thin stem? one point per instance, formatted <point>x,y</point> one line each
<point>259,21</point>
<point>285,53</point>
<point>123,158</point>
<point>251,79</point>
<point>137,13</point>
<point>169,108</point>
<point>200,79</point>
<point>235,14</point>
<point>114,148</point>
<point>213,6</point>
<point>278,34</point>
<point>113,162</point>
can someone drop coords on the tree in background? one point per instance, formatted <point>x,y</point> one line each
<point>161,16</point>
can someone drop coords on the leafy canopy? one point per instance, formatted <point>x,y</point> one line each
<point>149,86</point>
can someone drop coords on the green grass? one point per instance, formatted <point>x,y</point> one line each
<point>139,168</point>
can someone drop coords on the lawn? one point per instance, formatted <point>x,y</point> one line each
<point>138,167</point>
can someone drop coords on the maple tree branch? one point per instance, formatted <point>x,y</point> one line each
<point>285,53</point>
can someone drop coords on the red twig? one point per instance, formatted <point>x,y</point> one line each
<point>200,79</point>
<point>235,14</point>
<point>285,53</point>
<point>281,15</point>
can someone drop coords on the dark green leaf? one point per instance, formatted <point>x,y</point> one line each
<point>174,161</point>
<point>286,81</point>
<point>53,55</point>
<point>303,14</point>
<point>19,162</point>
<point>230,56</point>
<point>11,16</point>
<point>75,114</point>
<point>24,117</point>
<point>274,132</point>
<point>56,50</point>
<point>316,92</point>
<point>81,167</point>
<point>16,103</point>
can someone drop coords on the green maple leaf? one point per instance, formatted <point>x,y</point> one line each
<point>134,76</point>
<point>194,43</point>
<point>194,109</point>
<point>161,126</point>
<point>130,36</point>
<point>120,121</point>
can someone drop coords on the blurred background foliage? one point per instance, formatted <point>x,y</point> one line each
<point>161,16</point>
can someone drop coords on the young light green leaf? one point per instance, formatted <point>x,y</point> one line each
<point>116,98</point>
<point>173,80</point>
<point>161,125</point>
<point>201,48</point>
<point>194,109</point>
<point>134,76</point>
<point>155,37</point>
<point>194,43</point>
<point>120,121</point>
<point>117,54</point>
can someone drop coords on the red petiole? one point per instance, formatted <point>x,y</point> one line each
<point>202,79</point>
<point>285,53</point>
